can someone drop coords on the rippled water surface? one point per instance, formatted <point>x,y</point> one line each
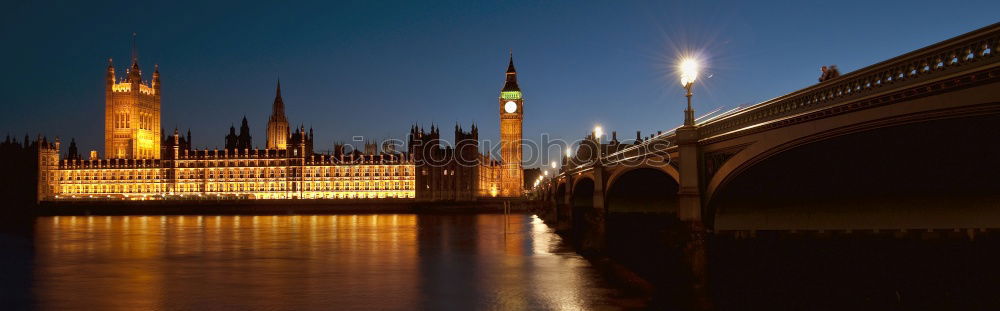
<point>347,262</point>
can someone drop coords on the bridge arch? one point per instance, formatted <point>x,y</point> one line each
<point>617,172</point>
<point>642,190</point>
<point>866,167</point>
<point>583,193</point>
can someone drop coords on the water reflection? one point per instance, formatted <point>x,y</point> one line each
<point>310,262</point>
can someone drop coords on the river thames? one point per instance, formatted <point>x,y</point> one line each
<point>471,262</point>
<point>347,262</point>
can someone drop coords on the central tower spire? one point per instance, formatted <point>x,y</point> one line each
<point>277,124</point>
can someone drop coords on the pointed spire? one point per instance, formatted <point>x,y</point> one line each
<point>134,73</point>
<point>510,84</point>
<point>135,52</point>
<point>278,110</point>
<point>279,87</point>
<point>510,65</point>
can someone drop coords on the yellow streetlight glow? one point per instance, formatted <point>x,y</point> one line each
<point>546,173</point>
<point>689,71</point>
<point>553,164</point>
<point>598,132</point>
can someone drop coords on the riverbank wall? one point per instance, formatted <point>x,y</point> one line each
<point>278,207</point>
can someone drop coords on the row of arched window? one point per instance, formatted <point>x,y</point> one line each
<point>81,175</point>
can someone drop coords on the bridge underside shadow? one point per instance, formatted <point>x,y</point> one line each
<point>937,174</point>
<point>641,215</point>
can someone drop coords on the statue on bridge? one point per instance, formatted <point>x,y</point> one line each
<point>829,73</point>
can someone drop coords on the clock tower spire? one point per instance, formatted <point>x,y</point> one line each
<point>511,115</point>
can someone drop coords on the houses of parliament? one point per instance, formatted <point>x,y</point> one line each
<point>142,163</point>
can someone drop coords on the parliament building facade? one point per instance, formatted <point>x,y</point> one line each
<point>142,164</point>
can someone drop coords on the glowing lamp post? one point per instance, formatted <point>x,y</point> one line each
<point>689,73</point>
<point>597,138</point>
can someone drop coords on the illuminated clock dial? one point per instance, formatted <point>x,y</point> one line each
<point>510,107</point>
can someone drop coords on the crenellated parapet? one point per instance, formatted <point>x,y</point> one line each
<point>126,87</point>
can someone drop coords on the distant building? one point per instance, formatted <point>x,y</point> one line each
<point>452,173</point>
<point>141,164</point>
<point>242,141</point>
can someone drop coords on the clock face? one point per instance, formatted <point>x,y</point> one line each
<point>510,107</point>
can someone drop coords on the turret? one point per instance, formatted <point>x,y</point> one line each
<point>135,75</point>
<point>156,79</point>
<point>244,127</point>
<point>176,144</point>
<point>109,76</point>
<point>72,153</point>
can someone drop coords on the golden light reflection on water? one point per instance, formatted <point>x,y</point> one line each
<point>308,262</point>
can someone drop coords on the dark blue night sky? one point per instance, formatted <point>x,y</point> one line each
<point>373,68</point>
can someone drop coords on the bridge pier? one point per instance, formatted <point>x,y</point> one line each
<point>594,234</point>
<point>689,196</point>
<point>564,208</point>
<point>692,232</point>
<point>551,207</point>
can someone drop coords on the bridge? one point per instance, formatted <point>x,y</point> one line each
<point>909,143</point>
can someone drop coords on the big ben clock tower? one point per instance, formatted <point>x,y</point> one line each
<point>511,114</point>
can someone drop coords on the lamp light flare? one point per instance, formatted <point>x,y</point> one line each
<point>569,152</point>
<point>553,164</point>
<point>598,132</point>
<point>689,70</point>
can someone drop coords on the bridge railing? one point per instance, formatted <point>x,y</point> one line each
<point>972,50</point>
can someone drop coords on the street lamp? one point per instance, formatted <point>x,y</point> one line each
<point>553,164</point>
<point>689,73</point>
<point>597,139</point>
